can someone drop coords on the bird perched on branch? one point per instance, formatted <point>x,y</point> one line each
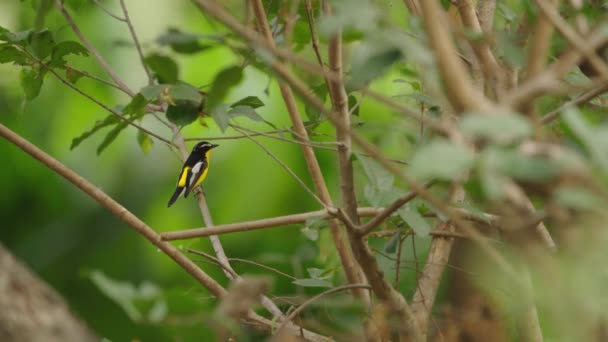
<point>194,170</point>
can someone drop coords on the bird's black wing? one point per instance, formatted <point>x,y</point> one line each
<point>198,170</point>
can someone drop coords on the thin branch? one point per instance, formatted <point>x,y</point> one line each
<point>108,12</point>
<point>459,87</point>
<point>413,7</point>
<point>282,164</point>
<point>485,10</point>
<point>373,223</point>
<point>304,305</point>
<point>108,69</point>
<point>584,98</point>
<point>256,224</point>
<point>136,41</point>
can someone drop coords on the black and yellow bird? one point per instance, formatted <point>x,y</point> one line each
<point>194,170</point>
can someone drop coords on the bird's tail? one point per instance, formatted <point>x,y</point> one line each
<point>176,194</point>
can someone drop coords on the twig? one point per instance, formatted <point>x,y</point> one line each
<point>256,224</point>
<point>485,10</point>
<point>283,165</point>
<point>552,115</point>
<point>108,12</point>
<point>374,222</point>
<point>136,41</point>
<point>93,50</point>
<point>303,306</point>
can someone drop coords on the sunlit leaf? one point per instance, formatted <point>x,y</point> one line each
<point>145,142</point>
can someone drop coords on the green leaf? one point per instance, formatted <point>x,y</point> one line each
<point>244,111</point>
<point>185,91</point>
<point>378,176</point>
<point>249,101</point>
<point>136,107</point>
<point>108,121</point>
<point>10,53</point>
<point>441,159</point>
<point>65,48</point>
<point>111,136</point>
<point>120,292</point>
<point>152,92</point>
<point>3,33</point>
<point>578,198</point>
<point>75,4</point>
<point>221,117</point>
<point>391,245</point>
<point>591,138</point>
<point>310,233</point>
<point>183,113</point>
<point>164,68</point>
<point>512,163</point>
<point>145,142</point>
<point>42,43</point>
<point>352,102</point>
<point>73,75</point>
<point>181,42</point>
<point>223,82</point>
<point>310,282</point>
<point>415,220</point>
<point>301,34</point>
<point>371,59</point>
<point>502,129</point>
<point>31,82</point>
<point>19,38</point>
<point>312,113</point>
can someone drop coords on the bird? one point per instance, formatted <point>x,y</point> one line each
<point>194,170</point>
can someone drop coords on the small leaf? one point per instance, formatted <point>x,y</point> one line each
<point>185,91</point>
<point>309,282</point>
<point>109,120</point>
<point>378,176</point>
<point>415,220</point>
<point>183,113</point>
<point>73,75</point>
<point>19,38</point>
<point>312,113</point>
<point>310,233</point>
<point>181,42</point>
<point>249,101</point>
<point>31,82</point>
<point>578,198</point>
<point>164,68</point>
<point>391,245</point>
<point>245,111</point>
<point>591,138</point>
<point>502,129</point>
<point>111,136</point>
<point>65,48</point>
<point>145,142</point>
<point>441,159</point>
<point>137,106</point>
<point>120,292</point>
<point>42,43</point>
<point>223,82</point>
<point>10,53</point>
<point>152,92</point>
<point>371,59</point>
<point>220,116</point>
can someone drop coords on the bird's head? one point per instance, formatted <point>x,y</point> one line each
<point>204,146</point>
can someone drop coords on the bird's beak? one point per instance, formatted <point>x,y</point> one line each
<point>214,145</point>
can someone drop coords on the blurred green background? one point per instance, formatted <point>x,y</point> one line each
<point>68,239</point>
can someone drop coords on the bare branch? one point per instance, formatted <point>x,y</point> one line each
<point>108,69</point>
<point>485,12</point>
<point>136,41</point>
<point>459,87</point>
<point>108,12</point>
